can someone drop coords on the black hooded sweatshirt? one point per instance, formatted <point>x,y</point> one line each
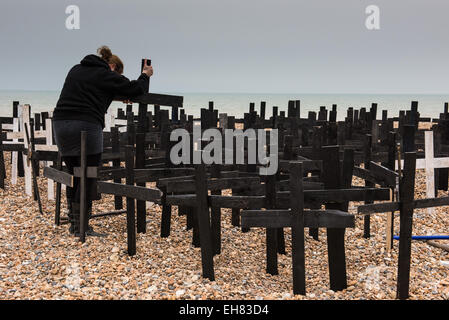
<point>89,89</point>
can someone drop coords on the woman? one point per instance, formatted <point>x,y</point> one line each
<point>88,90</point>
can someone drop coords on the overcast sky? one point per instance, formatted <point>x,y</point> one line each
<point>258,46</point>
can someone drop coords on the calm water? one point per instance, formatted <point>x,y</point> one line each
<point>237,104</point>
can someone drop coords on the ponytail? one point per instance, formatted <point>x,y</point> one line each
<point>106,54</point>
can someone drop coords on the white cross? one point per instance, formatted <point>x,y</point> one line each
<point>429,163</point>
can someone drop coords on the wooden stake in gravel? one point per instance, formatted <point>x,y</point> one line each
<point>406,221</point>
<point>115,139</point>
<point>33,164</point>
<point>270,198</point>
<point>407,194</point>
<point>367,157</point>
<point>202,212</point>
<point>58,193</point>
<point>297,209</point>
<point>130,202</point>
<point>335,236</point>
<point>216,215</point>
<point>140,164</point>
<point>83,181</point>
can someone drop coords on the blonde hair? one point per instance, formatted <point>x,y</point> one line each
<point>105,53</point>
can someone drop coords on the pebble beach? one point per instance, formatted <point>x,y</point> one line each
<point>39,260</point>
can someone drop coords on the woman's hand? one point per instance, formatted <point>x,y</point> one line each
<point>148,70</point>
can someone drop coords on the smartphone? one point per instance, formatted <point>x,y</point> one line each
<point>148,63</point>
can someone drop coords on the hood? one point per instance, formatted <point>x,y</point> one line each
<point>94,61</point>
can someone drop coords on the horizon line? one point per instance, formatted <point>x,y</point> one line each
<point>252,93</point>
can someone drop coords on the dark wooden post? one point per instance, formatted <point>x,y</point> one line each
<point>442,172</point>
<point>291,111</point>
<point>166,216</point>
<point>44,116</point>
<point>83,187</point>
<point>316,150</point>
<point>297,207</point>
<point>157,115</point>
<point>350,114</point>
<point>15,109</point>
<point>140,164</point>
<point>37,121</point>
<point>391,165</point>
<point>298,108</point>
<point>58,193</point>
<point>34,165</point>
<point>262,110</point>
<point>322,114</point>
<point>341,132</point>
<point>130,202</point>
<point>252,106</point>
<point>216,214</point>
<point>335,236</point>
<point>356,119</point>
<point>204,222</point>
<point>275,115</point>
<point>174,114</point>
<point>333,116</point>
<point>130,129</point>
<point>142,118</point>
<point>406,222</point>
<point>270,198</point>
<point>235,215</point>
<point>373,113</point>
<point>20,169</point>
<point>192,213</point>
<point>367,160</point>
<point>115,140</point>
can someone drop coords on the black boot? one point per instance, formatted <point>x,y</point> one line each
<point>74,218</point>
<point>89,231</point>
<point>70,215</point>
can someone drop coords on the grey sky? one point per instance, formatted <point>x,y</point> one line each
<point>277,46</point>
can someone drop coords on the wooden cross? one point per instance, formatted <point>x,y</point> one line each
<point>405,205</point>
<point>430,163</point>
<point>296,219</point>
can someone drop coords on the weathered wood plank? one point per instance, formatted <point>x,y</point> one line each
<point>378,208</point>
<point>273,218</point>
<point>58,176</point>
<point>308,165</point>
<point>154,98</point>
<point>212,184</point>
<point>340,195</point>
<point>129,191</point>
<point>150,175</point>
<point>384,175</point>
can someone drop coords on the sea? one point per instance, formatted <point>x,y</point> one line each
<point>236,104</point>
